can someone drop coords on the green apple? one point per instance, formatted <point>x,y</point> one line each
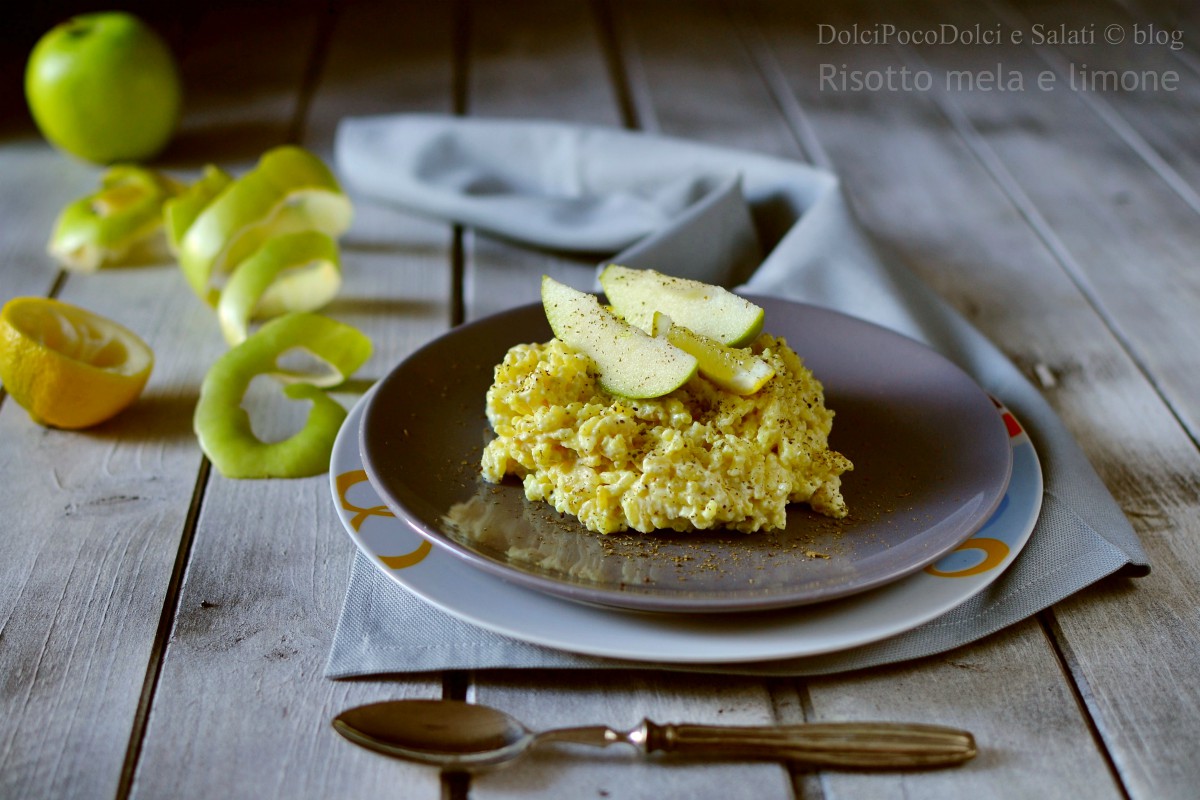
<point>731,368</point>
<point>104,87</point>
<point>630,362</point>
<point>288,191</point>
<point>635,294</point>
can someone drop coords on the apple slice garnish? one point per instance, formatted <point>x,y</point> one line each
<point>635,294</point>
<point>735,369</point>
<point>629,361</point>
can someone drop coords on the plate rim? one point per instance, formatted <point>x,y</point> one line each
<point>737,650</point>
<point>615,597</point>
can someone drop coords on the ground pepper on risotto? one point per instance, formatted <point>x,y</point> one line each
<point>697,458</point>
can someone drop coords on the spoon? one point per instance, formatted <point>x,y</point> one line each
<point>462,736</point>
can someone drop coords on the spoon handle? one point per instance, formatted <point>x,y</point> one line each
<point>879,745</point>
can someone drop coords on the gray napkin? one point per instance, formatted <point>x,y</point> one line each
<point>709,213</point>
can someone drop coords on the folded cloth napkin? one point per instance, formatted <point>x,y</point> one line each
<point>710,213</point>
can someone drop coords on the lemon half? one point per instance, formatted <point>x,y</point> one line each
<point>69,367</point>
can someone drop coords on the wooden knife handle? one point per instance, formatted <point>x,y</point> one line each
<point>872,745</point>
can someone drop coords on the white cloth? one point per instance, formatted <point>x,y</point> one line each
<point>654,201</point>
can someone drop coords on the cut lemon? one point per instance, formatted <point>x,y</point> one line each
<point>68,367</point>
<point>290,190</point>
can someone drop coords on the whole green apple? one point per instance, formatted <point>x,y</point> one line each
<point>104,87</point>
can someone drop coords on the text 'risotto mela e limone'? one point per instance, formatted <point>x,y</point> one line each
<point>699,456</point>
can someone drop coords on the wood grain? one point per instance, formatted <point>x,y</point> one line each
<point>101,514</point>
<point>555,50</point>
<point>163,631</point>
<point>269,563</point>
<point>921,194</point>
<point>1130,247</point>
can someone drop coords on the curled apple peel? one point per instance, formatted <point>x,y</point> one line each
<point>290,190</point>
<point>223,426</point>
<point>292,272</point>
<point>115,223</point>
<point>181,211</point>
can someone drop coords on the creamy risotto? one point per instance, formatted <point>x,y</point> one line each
<point>700,457</point>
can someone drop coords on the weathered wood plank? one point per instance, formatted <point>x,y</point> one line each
<point>269,561</point>
<point>99,513</point>
<point>925,689</point>
<point>915,183</point>
<point>548,62</point>
<point>93,522</point>
<point>543,63</point>
<point>1131,245</point>
<point>1128,69</point>
<point>38,182</point>
<point>622,700</point>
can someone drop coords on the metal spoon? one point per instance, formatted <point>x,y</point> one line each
<point>464,736</point>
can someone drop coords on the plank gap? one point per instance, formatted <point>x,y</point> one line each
<point>460,74</point>
<point>456,786</point>
<point>460,53</point>
<point>162,635</point>
<point>1079,691</point>
<point>456,685</point>
<point>327,20</point>
<point>458,269</point>
<point>617,75</point>
<point>60,280</point>
<point>1102,108</point>
<point>749,35</point>
<point>791,705</point>
<point>634,83</point>
<point>994,165</point>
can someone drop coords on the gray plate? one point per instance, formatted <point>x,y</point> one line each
<point>930,451</point>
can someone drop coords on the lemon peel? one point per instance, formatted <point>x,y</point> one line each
<point>223,426</point>
<point>112,225</point>
<point>290,190</point>
<point>67,366</point>
<point>292,272</point>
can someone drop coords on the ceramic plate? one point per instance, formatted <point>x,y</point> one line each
<point>452,585</point>
<point>932,461</point>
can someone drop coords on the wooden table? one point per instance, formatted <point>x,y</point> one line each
<point>163,630</point>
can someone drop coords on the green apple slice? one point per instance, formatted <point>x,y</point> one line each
<point>110,226</point>
<point>223,426</point>
<point>630,363</point>
<point>290,190</point>
<point>717,313</point>
<point>180,212</point>
<point>292,272</point>
<point>731,368</point>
